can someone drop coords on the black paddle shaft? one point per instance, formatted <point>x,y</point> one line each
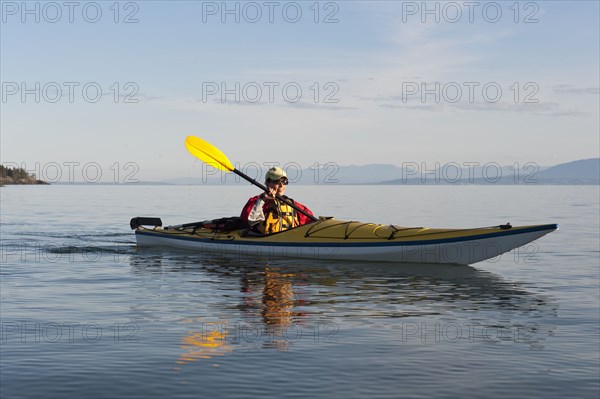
<point>280,198</point>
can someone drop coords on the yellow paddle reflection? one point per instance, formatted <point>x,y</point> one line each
<point>204,344</point>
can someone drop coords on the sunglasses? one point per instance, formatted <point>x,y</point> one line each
<point>280,181</point>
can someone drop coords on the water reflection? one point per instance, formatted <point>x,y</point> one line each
<point>205,343</point>
<point>267,303</point>
<point>276,305</point>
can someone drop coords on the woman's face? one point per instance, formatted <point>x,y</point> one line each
<point>278,185</point>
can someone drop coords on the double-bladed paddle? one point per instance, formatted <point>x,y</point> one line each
<point>211,155</point>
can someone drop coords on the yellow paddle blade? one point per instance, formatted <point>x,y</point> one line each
<point>208,153</point>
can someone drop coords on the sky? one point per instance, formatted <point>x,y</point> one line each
<point>108,91</point>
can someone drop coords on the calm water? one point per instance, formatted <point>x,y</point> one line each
<point>85,314</point>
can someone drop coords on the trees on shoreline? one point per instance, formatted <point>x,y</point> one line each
<point>17,176</point>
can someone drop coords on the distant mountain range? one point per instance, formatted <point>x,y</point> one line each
<point>585,171</point>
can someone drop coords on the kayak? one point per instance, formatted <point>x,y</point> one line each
<point>332,239</point>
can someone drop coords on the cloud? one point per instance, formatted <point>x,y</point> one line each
<point>569,89</point>
<point>325,107</point>
<point>423,107</point>
<point>299,104</point>
<point>217,101</point>
<point>549,109</point>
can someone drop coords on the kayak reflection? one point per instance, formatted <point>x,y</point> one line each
<point>267,303</point>
<point>272,296</point>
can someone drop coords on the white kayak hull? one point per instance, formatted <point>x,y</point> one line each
<point>456,250</point>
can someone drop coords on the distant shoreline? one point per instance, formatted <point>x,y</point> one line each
<point>21,182</point>
<point>575,173</point>
<point>17,176</point>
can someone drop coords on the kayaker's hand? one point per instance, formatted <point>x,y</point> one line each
<point>269,195</point>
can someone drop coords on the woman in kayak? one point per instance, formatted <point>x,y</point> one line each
<point>266,214</point>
